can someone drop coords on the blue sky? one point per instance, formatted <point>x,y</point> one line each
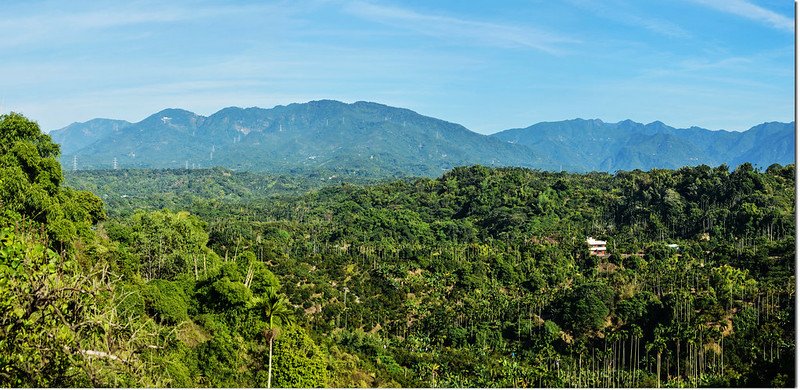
<point>487,65</point>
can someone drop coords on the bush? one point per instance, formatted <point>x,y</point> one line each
<point>298,361</point>
<point>166,301</point>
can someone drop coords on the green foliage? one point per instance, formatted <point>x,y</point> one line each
<point>169,244</point>
<point>478,278</point>
<point>132,302</point>
<point>217,357</point>
<point>584,308</point>
<point>66,321</point>
<point>30,179</point>
<point>166,301</point>
<point>274,308</point>
<point>15,128</point>
<point>230,294</point>
<point>299,362</point>
<point>59,326</point>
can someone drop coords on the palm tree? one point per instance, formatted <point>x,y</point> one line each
<point>659,344</point>
<point>276,310</point>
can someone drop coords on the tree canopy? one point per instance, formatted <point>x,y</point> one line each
<point>479,278</point>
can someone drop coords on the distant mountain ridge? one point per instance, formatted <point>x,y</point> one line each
<point>80,135</point>
<point>626,145</point>
<point>372,139</point>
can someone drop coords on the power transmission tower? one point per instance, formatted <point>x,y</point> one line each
<point>115,163</point>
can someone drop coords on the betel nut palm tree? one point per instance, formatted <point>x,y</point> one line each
<point>276,310</point>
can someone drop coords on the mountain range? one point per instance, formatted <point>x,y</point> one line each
<point>372,139</point>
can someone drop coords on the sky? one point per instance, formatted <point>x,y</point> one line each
<point>488,65</point>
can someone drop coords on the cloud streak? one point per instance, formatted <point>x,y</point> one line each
<point>614,13</point>
<point>462,30</point>
<point>40,25</point>
<point>751,11</point>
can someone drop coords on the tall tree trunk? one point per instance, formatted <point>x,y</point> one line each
<point>269,372</point>
<point>658,368</point>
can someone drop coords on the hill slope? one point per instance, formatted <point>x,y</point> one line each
<point>82,134</point>
<point>365,138</point>
<point>628,145</point>
<point>370,139</point>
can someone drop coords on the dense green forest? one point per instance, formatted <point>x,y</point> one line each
<point>478,278</point>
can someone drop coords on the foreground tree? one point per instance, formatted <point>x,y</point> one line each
<point>30,185</point>
<point>299,361</point>
<point>58,320</point>
<point>276,311</point>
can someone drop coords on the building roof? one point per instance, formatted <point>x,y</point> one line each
<point>592,241</point>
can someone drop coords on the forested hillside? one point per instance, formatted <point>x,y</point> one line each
<point>365,139</point>
<point>478,278</point>
<point>594,145</point>
<point>126,190</point>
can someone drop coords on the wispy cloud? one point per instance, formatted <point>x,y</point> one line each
<point>751,11</point>
<point>739,73</point>
<point>617,14</point>
<point>46,23</point>
<point>90,19</point>
<point>462,30</point>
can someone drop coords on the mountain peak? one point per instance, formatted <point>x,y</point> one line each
<point>173,112</point>
<point>364,103</point>
<point>173,118</point>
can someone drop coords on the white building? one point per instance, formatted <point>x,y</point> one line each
<point>596,247</point>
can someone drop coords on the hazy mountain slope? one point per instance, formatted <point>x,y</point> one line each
<point>167,137</point>
<point>764,145</point>
<point>368,137</point>
<point>371,139</point>
<point>596,145</point>
<point>79,135</point>
<point>364,136</point>
<point>643,151</point>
